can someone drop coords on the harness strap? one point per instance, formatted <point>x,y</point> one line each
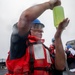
<point>32,68</point>
<point>11,72</point>
<point>31,59</point>
<point>43,68</point>
<point>53,56</point>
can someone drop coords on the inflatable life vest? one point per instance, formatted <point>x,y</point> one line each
<point>36,60</point>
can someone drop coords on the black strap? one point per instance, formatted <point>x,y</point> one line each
<point>43,68</point>
<point>11,72</point>
<point>31,59</point>
<point>53,56</point>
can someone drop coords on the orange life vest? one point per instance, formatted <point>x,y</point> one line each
<point>41,63</point>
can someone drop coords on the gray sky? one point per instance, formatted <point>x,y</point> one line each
<point>10,11</point>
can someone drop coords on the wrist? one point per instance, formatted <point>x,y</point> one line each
<point>48,5</point>
<point>58,34</point>
<point>51,5</point>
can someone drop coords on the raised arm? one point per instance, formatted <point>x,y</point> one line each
<point>60,54</point>
<point>32,13</point>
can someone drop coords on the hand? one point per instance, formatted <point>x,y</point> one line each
<point>54,3</point>
<point>61,27</point>
<point>63,24</point>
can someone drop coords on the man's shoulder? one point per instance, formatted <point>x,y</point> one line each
<point>15,29</point>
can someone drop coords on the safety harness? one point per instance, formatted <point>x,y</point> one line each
<point>32,68</point>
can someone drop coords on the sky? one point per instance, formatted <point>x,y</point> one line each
<point>10,11</point>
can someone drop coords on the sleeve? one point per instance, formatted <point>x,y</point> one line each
<point>17,44</point>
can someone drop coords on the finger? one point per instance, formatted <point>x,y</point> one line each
<point>66,22</point>
<point>65,19</point>
<point>58,2</point>
<point>55,1</point>
<point>52,1</point>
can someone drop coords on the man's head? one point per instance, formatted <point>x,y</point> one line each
<point>37,28</point>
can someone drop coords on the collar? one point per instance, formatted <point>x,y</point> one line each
<point>35,39</point>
